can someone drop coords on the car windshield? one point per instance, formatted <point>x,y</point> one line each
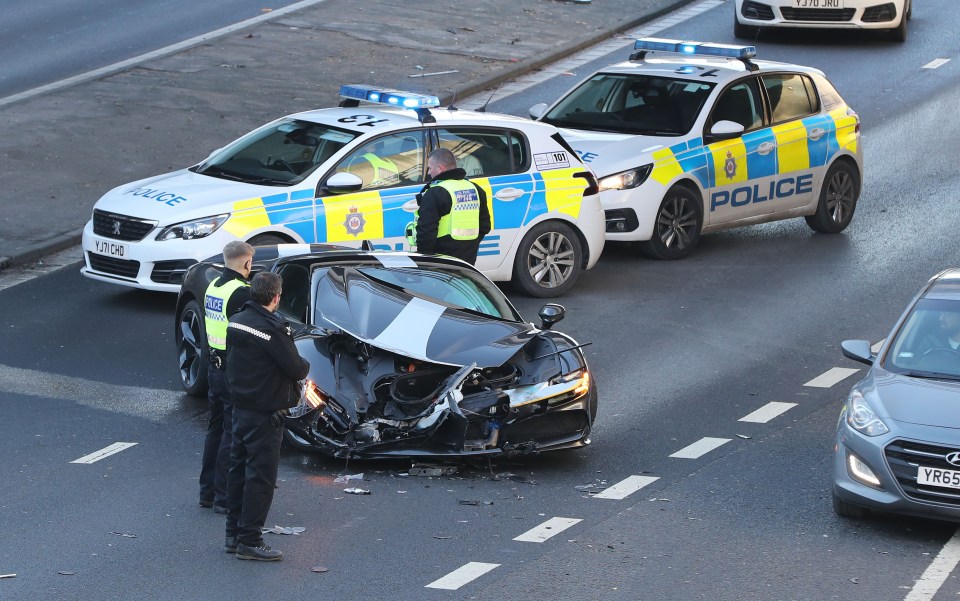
<point>450,286</point>
<point>928,343</point>
<point>278,154</point>
<point>632,104</point>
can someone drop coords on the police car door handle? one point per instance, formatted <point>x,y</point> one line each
<point>816,133</point>
<point>411,206</point>
<point>766,148</point>
<point>508,194</point>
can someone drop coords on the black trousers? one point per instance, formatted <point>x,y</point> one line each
<point>254,458</point>
<point>216,446</point>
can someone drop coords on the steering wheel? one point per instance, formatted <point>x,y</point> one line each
<point>941,352</point>
<point>285,165</point>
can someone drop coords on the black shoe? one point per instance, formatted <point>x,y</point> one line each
<point>219,508</point>
<point>261,552</point>
<point>230,544</point>
<point>206,504</point>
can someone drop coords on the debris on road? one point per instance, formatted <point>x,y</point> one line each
<point>124,534</point>
<point>319,569</point>
<point>345,478</point>
<point>356,491</point>
<point>8,575</point>
<point>426,469</point>
<point>283,530</point>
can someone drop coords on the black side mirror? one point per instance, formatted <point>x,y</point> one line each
<point>550,314</point>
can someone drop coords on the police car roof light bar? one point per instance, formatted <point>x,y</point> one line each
<point>399,98</point>
<point>741,53</point>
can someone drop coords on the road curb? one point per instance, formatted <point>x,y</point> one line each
<point>41,249</point>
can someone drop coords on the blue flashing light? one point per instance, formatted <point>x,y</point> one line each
<point>695,48</point>
<point>410,100</point>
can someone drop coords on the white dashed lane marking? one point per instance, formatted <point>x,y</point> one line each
<point>937,572</point>
<point>935,63</point>
<point>547,530</point>
<point>831,376</point>
<point>462,575</point>
<point>104,452</point>
<point>626,487</point>
<point>767,412</point>
<point>700,448</point>
<point>876,348</point>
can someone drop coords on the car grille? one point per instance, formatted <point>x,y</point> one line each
<point>120,267</point>
<point>755,10</point>
<point>170,272</point>
<point>120,227</point>
<point>904,457</point>
<point>820,15</point>
<point>880,13</point>
<point>546,428</point>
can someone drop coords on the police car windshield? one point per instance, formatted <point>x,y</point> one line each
<point>928,344</point>
<point>278,154</point>
<point>646,105</point>
<point>457,288</point>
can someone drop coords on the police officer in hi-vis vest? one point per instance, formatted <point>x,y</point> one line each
<point>453,216</point>
<point>225,297</point>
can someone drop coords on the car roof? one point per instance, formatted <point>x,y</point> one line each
<point>725,69</point>
<point>944,285</point>
<point>395,118</point>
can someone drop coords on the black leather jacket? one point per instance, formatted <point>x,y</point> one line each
<point>263,365</point>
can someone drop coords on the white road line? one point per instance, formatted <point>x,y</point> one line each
<point>132,62</point>
<point>547,530</point>
<point>571,63</point>
<point>462,575</point>
<point>767,412</point>
<point>936,63</point>
<point>700,448</point>
<point>938,571</point>
<point>832,376</point>
<point>104,452</point>
<point>626,487</point>
<point>876,347</point>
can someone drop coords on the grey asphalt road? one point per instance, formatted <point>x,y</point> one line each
<point>681,351</point>
<point>43,42</point>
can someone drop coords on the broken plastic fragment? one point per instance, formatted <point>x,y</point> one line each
<point>65,572</point>
<point>469,502</point>
<point>283,530</point>
<point>744,436</point>
<point>423,469</point>
<point>345,478</point>
<point>319,569</point>
<point>8,575</point>
<point>356,491</point>
<point>124,534</point>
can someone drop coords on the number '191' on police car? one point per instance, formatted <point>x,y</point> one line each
<point>351,174</point>
<point>688,138</point>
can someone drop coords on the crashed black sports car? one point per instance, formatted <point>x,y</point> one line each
<point>410,355</point>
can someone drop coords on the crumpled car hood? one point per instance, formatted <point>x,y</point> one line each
<point>421,329</point>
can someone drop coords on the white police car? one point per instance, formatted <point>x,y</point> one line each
<point>890,16</point>
<point>350,174</point>
<point>689,138</point>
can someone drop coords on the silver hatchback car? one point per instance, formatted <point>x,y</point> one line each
<point>898,437</point>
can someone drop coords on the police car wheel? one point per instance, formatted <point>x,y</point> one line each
<point>549,260</point>
<point>266,240</point>
<point>848,510</point>
<point>744,32</point>
<point>192,351</point>
<point>678,224</point>
<point>838,200</point>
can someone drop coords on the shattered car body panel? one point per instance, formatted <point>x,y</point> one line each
<point>421,356</point>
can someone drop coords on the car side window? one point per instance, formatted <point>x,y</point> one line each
<point>485,152</point>
<point>789,95</point>
<point>295,295</point>
<point>396,159</point>
<point>741,104</point>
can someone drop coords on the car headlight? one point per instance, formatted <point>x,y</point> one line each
<point>625,180</point>
<point>862,418</point>
<point>190,230</point>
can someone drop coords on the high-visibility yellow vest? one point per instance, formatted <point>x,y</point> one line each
<point>463,220</point>
<point>384,171</point>
<point>215,311</point>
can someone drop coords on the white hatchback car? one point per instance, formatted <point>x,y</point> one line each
<point>688,138</point>
<point>890,16</point>
<point>351,174</point>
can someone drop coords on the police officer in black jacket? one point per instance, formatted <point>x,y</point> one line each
<point>263,369</point>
